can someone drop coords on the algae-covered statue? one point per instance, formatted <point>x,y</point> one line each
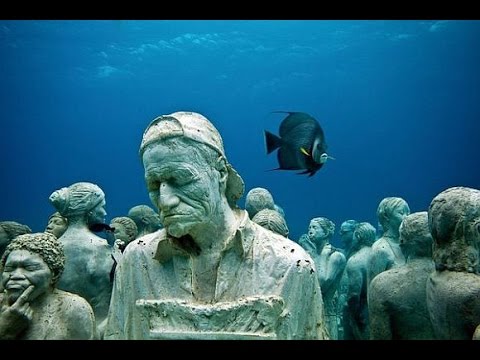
<point>357,292</point>
<point>32,308</point>
<point>386,252</point>
<point>88,256</point>
<point>57,225</point>
<point>397,297</point>
<point>146,219</point>
<point>211,273</point>
<point>329,263</point>
<point>453,290</point>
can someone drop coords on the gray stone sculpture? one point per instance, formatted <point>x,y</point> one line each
<point>397,297</point>
<point>329,263</point>
<point>386,252</point>
<point>258,199</point>
<point>57,225</point>
<point>346,235</point>
<point>32,308</point>
<point>356,269</point>
<point>88,256</point>
<point>453,290</point>
<point>271,220</point>
<point>146,219</point>
<point>344,328</point>
<point>125,231</point>
<point>210,264</point>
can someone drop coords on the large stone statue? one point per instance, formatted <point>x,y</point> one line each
<point>211,272</point>
<point>356,269</point>
<point>32,308</point>
<point>397,297</point>
<point>386,252</point>
<point>57,225</point>
<point>453,290</point>
<point>88,256</point>
<point>329,263</point>
<point>271,220</point>
<point>146,219</point>
<point>9,230</point>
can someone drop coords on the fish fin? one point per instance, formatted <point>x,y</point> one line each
<point>304,172</point>
<point>272,141</point>
<point>304,151</point>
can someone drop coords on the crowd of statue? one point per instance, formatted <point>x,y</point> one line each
<point>201,267</point>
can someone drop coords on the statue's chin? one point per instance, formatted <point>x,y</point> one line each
<point>177,230</point>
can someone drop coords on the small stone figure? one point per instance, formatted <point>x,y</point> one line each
<point>57,225</point>
<point>125,231</point>
<point>356,269</point>
<point>345,331</point>
<point>258,199</point>
<point>329,263</point>
<point>397,297</point>
<point>88,257</point>
<point>32,308</point>
<point>146,219</point>
<point>386,252</point>
<point>453,289</point>
<point>271,220</point>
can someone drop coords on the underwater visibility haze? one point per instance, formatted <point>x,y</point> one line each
<point>398,102</point>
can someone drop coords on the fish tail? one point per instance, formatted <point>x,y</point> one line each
<point>272,141</point>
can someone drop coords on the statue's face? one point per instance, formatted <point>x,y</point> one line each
<point>346,235</point>
<point>185,188</point>
<point>98,214</point>
<point>316,231</point>
<point>397,216</point>
<point>56,226</point>
<point>120,232</point>
<point>22,269</point>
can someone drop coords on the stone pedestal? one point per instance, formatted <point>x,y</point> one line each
<point>252,318</point>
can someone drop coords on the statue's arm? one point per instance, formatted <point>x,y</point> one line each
<point>335,266</point>
<point>377,263</point>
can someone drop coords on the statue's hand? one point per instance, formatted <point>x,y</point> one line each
<point>16,317</point>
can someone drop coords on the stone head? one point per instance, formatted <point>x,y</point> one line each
<point>454,222</point>
<point>258,199</point>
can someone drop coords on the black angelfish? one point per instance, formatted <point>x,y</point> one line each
<point>301,144</point>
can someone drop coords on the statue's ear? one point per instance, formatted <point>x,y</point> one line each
<point>221,166</point>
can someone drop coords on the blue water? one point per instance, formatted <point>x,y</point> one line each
<point>399,102</point>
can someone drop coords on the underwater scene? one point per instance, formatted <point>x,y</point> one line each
<point>349,132</point>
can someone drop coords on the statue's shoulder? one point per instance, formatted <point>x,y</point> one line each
<point>286,252</point>
<point>145,244</point>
